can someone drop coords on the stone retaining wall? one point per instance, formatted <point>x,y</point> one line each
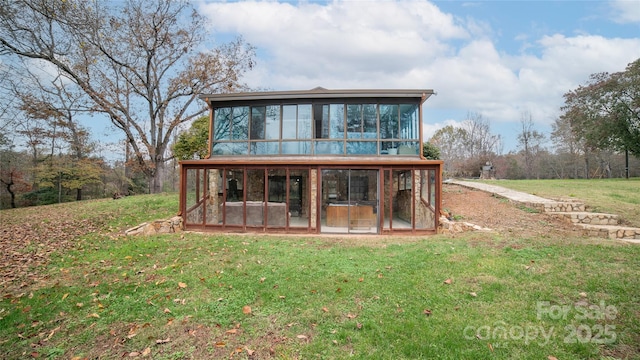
<point>611,232</point>
<point>172,225</point>
<point>587,218</point>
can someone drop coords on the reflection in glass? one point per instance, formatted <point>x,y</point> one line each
<point>258,115</point>
<point>265,148</point>
<point>296,147</point>
<point>337,121</point>
<point>329,148</point>
<point>304,121</point>
<point>289,116</point>
<point>273,122</point>
<point>362,148</point>
<point>222,122</point>
<point>354,121</point>
<point>240,123</point>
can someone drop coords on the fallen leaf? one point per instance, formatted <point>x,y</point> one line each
<point>448,281</point>
<point>302,337</point>
<point>94,315</point>
<point>166,311</point>
<point>427,312</point>
<point>35,355</point>
<point>325,309</point>
<point>490,347</point>
<point>162,341</point>
<point>53,332</point>
<point>583,294</point>
<point>246,309</point>
<point>552,357</point>
<point>232,331</point>
<point>182,285</point>
<point>351,316</point>
<point>359,326</point>
<point>249,351</point>
<point>473,294</point>
<point>282,296</point>
<point>220,344</point>
<point>380,276</point>
<point>65,296</point>
<point>262,279</point>
<point>146,352</point>
<point>361,280</point>
<point>134,354</point>
<point>335,342</point>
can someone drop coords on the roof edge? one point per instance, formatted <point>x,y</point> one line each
<point>319,93</point>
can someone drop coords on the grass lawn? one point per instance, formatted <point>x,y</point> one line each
<point>616,196</point>
<point>176,296</point>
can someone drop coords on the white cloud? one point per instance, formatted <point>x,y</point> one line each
<point>339,44</point>
<point>625,11</point>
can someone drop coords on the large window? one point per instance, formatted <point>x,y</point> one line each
<point>317,129</point>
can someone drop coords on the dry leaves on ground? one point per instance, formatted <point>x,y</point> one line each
<point>28,238</point>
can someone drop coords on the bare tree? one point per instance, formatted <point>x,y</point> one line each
<point>568,147</point>
<point>55,102</point>
<point>480,144</point>
<point>530,141</point>
<point>466,148</point>
<point>450,141</point>
<point>140,64</point>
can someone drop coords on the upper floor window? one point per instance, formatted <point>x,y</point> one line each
<point>321,129</point>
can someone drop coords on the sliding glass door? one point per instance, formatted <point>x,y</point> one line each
<point>349,201</point>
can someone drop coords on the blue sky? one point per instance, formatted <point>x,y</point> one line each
<point>495,58</point>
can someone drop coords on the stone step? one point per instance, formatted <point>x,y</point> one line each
<point>611,231</point>
<point>561,206</point>
<point>587,218</point>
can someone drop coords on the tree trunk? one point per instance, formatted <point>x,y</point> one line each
<point>13,194</point>
<point>586,167</point>
<point>158,177</point>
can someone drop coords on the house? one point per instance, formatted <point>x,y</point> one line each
<point>315,161</point>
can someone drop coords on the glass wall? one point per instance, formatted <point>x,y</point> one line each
<point>344,129</point>
<point>303,198</point>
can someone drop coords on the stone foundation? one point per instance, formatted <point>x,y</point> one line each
<point>451,227</point>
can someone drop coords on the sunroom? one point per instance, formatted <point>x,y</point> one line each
<point>318,161</point>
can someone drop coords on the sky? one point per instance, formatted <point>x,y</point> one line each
<point>499,59</point>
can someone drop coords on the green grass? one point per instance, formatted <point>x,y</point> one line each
<point>616,196</point>
<point>473,296</point>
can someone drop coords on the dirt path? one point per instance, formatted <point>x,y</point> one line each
<point>486,210</point>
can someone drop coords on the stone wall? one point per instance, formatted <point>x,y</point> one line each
<point>314,199</point>
<point>425,215</point>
